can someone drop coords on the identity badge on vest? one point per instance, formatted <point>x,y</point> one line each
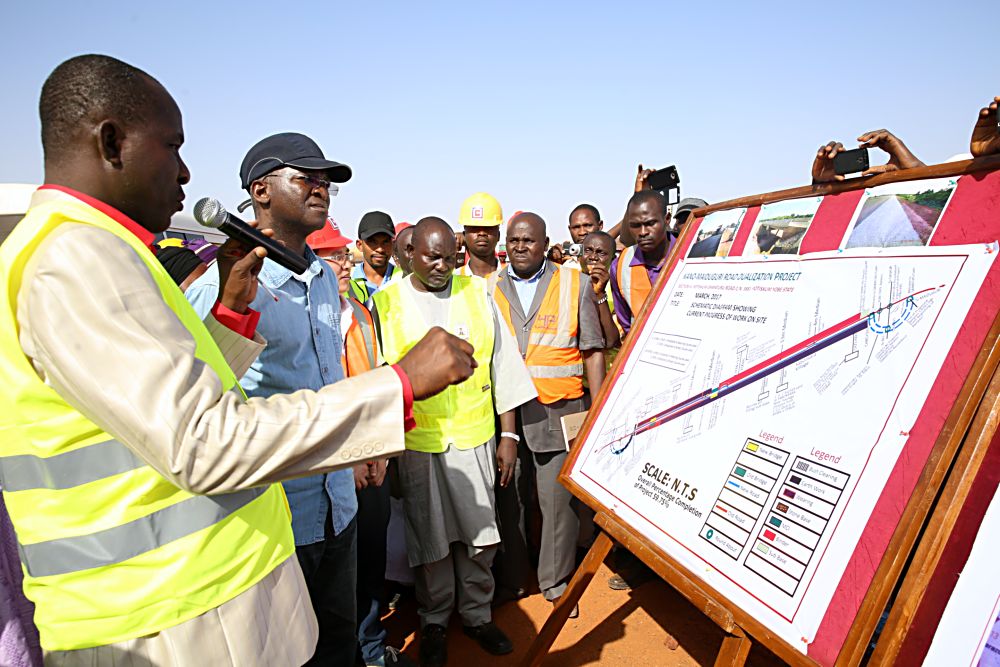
<point>462,331</point>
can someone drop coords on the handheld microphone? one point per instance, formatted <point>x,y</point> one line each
<point>211,213</point>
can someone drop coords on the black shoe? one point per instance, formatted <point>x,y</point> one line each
<point>502,595</point>
<point>395,658</point>
<point>490,637</point>
<point>433,646</point>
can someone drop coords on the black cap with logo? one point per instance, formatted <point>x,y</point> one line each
<point>288,149</point>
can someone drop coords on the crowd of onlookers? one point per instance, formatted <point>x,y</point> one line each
<point>541,531</point>
<point>472,514</point>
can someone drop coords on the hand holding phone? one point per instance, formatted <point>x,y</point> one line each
<point>850,162</point>
<point>664,179</point>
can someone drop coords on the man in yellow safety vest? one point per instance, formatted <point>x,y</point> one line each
<point>141,483</point>
<point>452,457</point>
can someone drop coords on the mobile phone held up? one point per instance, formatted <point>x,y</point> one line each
<point>850,162</point>
<point>664,179</point>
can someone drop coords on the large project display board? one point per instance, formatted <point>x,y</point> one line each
<point>782,392</point>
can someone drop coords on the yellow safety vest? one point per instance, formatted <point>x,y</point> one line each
<point>111,550</point>
<point>461,415</point>
<point>359,286</point>
<point>553,356</point>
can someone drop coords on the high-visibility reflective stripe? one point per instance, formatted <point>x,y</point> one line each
<point>65,471</point>
<point>552,340</point>
<point>359,287</point>
<point>565,318</point>
<point>566,296</point>
<point>549,372</point>
<point>361,317</point>
<point>118,544</point>
<point>493,279</point>
<point>625,275</point>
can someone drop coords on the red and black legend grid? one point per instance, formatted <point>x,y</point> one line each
<point>800,513</point>
<point>744,496</point>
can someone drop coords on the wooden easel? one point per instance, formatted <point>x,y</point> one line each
<point>970,427</point>
<point>735,646</point>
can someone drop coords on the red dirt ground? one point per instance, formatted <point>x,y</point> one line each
<point>634,628</point>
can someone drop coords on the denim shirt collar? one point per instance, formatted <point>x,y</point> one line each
<point>274,275</point>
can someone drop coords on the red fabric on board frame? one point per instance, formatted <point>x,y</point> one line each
<point>976,203</point>
<point>743,232</point>
<point>829,225</point>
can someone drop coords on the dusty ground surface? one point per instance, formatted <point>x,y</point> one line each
<point>652,625</point>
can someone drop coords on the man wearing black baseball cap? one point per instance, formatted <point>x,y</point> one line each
<point>291,184</point>
<point>288,149</point>
<point>375,236</point>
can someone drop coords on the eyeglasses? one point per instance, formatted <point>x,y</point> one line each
<point>339,257</point>
<point>313,182</point>
<point>596,252</point>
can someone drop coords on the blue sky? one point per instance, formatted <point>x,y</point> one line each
<point>543,104</point>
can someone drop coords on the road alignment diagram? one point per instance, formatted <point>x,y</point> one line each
<point>755,422</point>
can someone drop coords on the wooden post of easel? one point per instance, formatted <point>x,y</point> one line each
<point>736,644</point>
<point>569,599</point>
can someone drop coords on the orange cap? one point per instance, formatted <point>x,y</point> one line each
<point>328,237</point>
<point>401,226</point>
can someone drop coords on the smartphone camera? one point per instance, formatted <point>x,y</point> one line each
<point>850,162</point>
<point>668,182</point>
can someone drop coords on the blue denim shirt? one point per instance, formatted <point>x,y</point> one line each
<point>304,346</point>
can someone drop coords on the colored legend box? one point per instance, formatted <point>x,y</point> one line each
<point>799,516</point>
<point>822,473</point>
<point>804,518</point>
<point>743,497</point>
<point>733,515</point>
<point>766,451</point>
<point>748,489</point>
<point>721,542</point>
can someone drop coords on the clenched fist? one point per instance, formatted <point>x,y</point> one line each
<point>437,361</point>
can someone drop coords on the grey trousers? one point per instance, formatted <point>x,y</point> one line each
<point>458,577</point>
<point>560,529</point>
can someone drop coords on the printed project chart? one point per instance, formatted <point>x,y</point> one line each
<point>766,401</point>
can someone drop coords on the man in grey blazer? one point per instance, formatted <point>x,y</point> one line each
<point>553,315</point>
